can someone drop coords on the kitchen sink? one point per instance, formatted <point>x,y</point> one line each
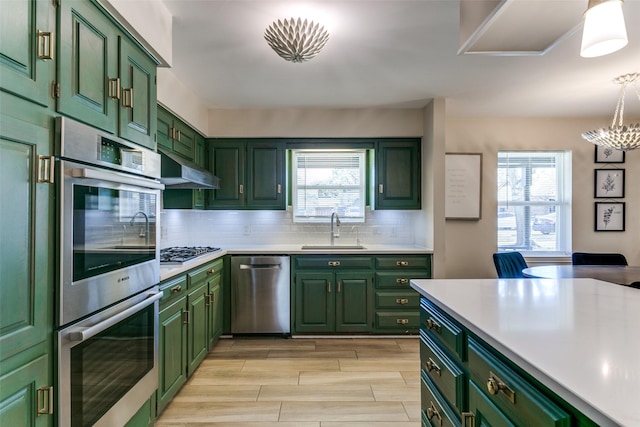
<point>330,247</point>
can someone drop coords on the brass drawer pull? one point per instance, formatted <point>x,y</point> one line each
<point>432,412</point>
<point>495,385</point>
<point>127,97</point>
<point>114,87</point>
<point>402,301</point>
<point>468,416</point>
<point>210,272</point>
<point>433,366</point>
<point>402,321</point>
<point>334,263</point>
<point>432,325</point>
<point>402,263</point>
<point>45,45</point>
<point>176,289</point>
<point>402,281</point>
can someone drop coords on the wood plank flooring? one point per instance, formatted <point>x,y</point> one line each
<point>301,382</point>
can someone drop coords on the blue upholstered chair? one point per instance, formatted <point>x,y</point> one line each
<point>585,258</point>
<point>509,265</point>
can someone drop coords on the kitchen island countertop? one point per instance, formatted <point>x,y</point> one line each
<point>579,337</point>
<point>168,271</point>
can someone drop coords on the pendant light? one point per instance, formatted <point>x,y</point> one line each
<point>604,29</point>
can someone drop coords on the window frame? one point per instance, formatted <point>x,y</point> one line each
<point>562,206</point>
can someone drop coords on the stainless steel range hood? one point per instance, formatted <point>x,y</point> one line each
<point>180,173</point>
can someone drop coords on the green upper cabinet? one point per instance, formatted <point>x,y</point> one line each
<point>26,48</point>
<point>176,136</point>
<point>104,79</point>
<point>397,175</point>
<point>251,173</point>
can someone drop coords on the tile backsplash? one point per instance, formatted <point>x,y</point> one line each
<point>231,228</point>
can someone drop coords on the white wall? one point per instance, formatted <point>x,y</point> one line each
<point>470,244</point>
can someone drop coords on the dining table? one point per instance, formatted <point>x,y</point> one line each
<point>621,274</point>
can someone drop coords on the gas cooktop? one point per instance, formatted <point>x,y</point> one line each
<point>180,254</point>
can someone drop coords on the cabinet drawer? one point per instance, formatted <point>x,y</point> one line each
<point>405,262</point>
<point>445,373</point>
<point>397,300</point>
<point>172,288</point>
<point>398,279</point>
<point>484,412</point>
<point>518,399</point>
<point>200,274</point>
<point>442,329</point>
<point>335,262</point>
<point>435,410</point>
<point>400,320</point>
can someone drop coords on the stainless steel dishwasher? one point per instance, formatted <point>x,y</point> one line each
<point>260,295</point>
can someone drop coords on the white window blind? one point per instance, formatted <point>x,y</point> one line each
<point>534,201</point>
<point>328,181</point>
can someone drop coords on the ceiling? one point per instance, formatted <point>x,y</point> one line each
<point>399,54</point>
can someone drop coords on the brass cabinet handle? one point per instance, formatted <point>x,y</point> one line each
<point>495,385</point>
<point>176,289</point>
<point>402,301</point>
<point>45,45</point>
<point>402,281</point>
<point>402,321</point>
<point>114,87</point>
<point>127,97</point>
<point>468,416</point>
<point>279,188</point>
<point>402,263</point>
<point>328,287</point>
<point>185,317</point>
<point>433,325</point>
<point>207,300</point>
<point>45,400</point>
<point>433,366</point>
<point>339,286</point>
<point>178,135</point>
<point>432,412</point>
<point>334,263</point>
<point>380,189</point>
<point>211,271</point>
<point>46,169</point>
<point>212,296</point>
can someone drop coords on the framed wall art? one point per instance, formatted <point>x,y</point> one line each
<point>609,216</point>
<point>609,183</point>
<point>463,185</point>
<point>608,155</point>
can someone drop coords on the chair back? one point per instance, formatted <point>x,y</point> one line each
<point>509,265</point>
<point>586,258</point>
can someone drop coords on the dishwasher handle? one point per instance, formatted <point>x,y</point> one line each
<point>260,267</point>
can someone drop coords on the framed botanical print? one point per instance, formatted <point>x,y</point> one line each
<point>609,216</point>
<point>609,184</point>
<point>608,155</point>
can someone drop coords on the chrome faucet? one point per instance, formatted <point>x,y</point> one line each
<point>335,232</point>
<point>143,232</point>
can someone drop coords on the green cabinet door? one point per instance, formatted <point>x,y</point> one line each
<point>198,342</point>
<point>354,311</point>
<point>398,174</point>
<point>164,129</point>
<point>19,400</point>
<point>265,175</point>
<point>215,310</point>
<point>88,65</point>
<point>26,41</point>
<point>138,110</point>
<point>172,355</point>
<point>26,274</point>
<point>184,140</point>
<point>314,302</point>
<point>227,162</point>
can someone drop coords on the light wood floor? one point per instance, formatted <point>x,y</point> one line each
<point>278,382</point>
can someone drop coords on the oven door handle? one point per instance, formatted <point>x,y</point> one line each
<point>82,334</point>
<point>110,176</point>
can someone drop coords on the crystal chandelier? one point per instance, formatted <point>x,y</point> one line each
<point>296,40</point>
<point>619,136</point>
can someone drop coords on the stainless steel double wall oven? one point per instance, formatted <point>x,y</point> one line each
<point>107,301</point>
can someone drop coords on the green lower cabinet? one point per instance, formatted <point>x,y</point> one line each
<point>483,411</point>
<point>146,415</point>
<point>215,310</point>
<point>198,342</point>
<point>24,395</point>
<point>172,356</point>
<point>435,410</point>
<point>333,302</point>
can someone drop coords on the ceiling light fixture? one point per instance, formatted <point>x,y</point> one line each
<point>296,40</point>
<point>604,30</point>
<point>618,135</point>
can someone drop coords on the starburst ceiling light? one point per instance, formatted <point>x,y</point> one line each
<point>604,30</point>
<point>296,40</point>
<point>618,135</point>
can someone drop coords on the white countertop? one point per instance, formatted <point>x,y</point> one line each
<point>168,271</point>
<point>579,337</point>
